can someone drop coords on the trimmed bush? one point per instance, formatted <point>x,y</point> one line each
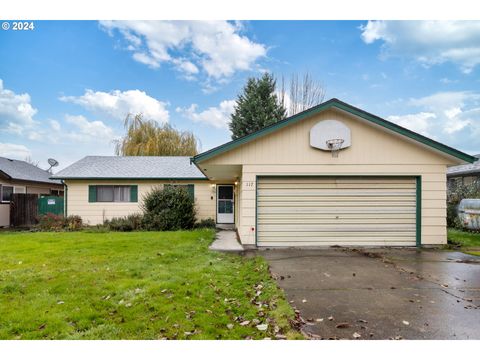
<point>128,223</point>
<point>206,224</point>
<point>50,222</point>
<point>170,208</point>
<point>73,223</point>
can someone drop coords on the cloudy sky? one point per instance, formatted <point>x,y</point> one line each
<point>66,86</point>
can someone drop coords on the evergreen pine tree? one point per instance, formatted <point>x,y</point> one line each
<point>257,106</point>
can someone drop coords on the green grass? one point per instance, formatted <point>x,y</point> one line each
<point>468,242</point>
<point>139,285</point>
<point>463,238</point>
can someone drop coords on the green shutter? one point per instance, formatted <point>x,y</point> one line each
<point>92,193</point>
<point>191,191</point>
<point>133,193</point>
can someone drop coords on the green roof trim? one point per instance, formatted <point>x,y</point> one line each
<point>334,103</point>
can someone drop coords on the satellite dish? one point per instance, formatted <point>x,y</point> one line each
<point>52,163</point>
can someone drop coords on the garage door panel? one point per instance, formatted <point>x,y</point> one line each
<point>340,211</point>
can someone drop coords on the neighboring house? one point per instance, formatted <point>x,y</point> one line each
<point>283,186</point>
<point>464,174</point>
<point>18,176</point>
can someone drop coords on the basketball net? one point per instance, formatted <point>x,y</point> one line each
<point>334,145</point>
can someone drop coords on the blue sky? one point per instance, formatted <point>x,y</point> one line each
<point>67,85</point>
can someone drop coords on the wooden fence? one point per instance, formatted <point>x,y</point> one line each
<point>23,210</point>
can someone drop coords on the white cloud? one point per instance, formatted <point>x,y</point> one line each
<point>86,130</point>
<point>14,151</point>
<point>55,125</point>
<point>117,104</point>
<point>416,122</point>
<point>449,117</point>
<point>16,110</point>
<point>216,47</point>
<point>218,117</point>
<point>429,42</point>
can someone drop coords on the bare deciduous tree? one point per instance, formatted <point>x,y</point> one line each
<point>304,92</point>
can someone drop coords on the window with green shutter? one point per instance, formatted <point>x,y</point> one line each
<point>133,193</point>
<point>92,193</point>
<point>112,193</point>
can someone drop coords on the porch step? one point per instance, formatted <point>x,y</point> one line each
<point>226,226</point>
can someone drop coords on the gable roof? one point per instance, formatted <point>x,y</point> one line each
<point>132,167</point>
<point>22,170</point>
<point>465,169</point>
<point>334,103</point>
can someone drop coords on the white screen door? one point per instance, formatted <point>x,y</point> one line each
<point>225,204</point>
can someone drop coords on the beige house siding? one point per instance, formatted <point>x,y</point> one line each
<point>95,213</point>
<point>374,151</point>
<point>4,215</point>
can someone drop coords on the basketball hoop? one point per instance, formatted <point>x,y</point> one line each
<point>335,145</point>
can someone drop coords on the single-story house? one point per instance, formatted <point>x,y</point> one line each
<point>331,175</point>
<point>17,176</point>
<point>464,174</point>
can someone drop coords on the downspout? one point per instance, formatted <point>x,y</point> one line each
<point>65,196</point>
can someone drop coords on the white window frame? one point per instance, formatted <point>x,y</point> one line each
<point>1,193</point>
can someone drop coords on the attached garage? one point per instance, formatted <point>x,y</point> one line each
<point>335,175</point>
<point>345,211</point>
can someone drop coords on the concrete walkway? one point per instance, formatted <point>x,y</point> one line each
<point>226,240</point>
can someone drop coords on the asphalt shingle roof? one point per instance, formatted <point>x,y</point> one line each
<point>132,167</point>
<point>21,170</point>
<point>473,168</point>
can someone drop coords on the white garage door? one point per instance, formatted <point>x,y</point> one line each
<point>316,211</point>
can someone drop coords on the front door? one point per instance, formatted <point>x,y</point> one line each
<point>225,204</point>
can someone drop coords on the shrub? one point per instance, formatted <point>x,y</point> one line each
<point>206,223</point>
<point>73,223</point>
<point>127,223</point>
<point>455,194</point>
<point>170,208</point>
<point>50,222</point>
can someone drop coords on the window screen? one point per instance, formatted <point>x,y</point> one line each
<point>105,193</point>
<point>7,192</point>
<point>113,193</point>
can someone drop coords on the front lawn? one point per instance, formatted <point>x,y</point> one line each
<point>139,285</point>
<point>467,241</point>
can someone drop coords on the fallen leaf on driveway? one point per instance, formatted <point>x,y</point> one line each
<point>445,285</point>
<point>330,318</point>
<point>304,300</point>
<point>362,321</point>
<point>318,320</point>
<point>356,335</point>
<point>405,322</point>
<point>262,327</point>
<point>342,325</point>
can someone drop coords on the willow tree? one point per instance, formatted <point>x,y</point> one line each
<point>148,138</point>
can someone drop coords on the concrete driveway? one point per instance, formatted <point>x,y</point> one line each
<point>381,293</point>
